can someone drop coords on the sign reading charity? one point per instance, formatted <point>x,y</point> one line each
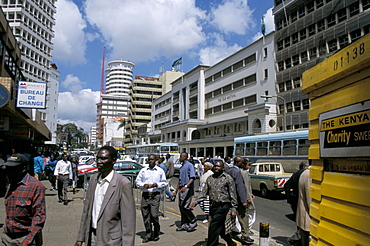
<point>345,132</point>
<point>31,95</point>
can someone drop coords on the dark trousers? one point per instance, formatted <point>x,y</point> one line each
<point>150,212</point>
<point>217,224</point>
<point>14,240</point>
<point>51,178</point>
<point>188,219</point>
<point>63,181</point>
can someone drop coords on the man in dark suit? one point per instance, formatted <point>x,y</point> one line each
<point>109,215</point>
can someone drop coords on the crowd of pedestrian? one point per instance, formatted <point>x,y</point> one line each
<point>108,217</point>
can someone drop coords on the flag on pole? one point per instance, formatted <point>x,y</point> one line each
<point>263,27</point>
<point>177,62</point>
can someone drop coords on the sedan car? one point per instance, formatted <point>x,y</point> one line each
<point>129,169</point>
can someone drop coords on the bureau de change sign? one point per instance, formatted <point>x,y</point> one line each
<point>31,95</point>
<point>345,132</point>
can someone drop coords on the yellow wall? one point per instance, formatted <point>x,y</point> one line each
<point>340,208</point>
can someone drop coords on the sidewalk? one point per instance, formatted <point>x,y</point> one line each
<point>62,223</point>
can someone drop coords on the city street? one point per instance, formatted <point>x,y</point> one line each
<point>63,221</point>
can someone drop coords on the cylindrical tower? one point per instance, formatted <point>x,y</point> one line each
<point>119,77</point>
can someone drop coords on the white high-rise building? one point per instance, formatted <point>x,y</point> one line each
<point>114,104</point>
<point>32,23</point>
<point>52,105</point>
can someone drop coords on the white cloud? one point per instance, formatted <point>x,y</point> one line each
<point>78,107</point>
<point>72,83</point>
<point>219,50</point>
<point>269,24</point>
<point>144,30</point>
<point>69,41</point>
<point>232,17</point>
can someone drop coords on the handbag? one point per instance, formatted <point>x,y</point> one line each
<point>230,223</point>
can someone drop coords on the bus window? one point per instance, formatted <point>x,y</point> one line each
<point>303,145</point>
<point>239,149</point>
<point>249,149</point>
<point>165,148</point>
<point>275,148</point>
<point>289,147</point>
<point>262,148</point>
<point>174,149</point>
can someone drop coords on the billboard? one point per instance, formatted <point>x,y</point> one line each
<point>31,95</point>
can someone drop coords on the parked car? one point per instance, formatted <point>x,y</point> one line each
<point>129,169</point>
<point>85,158</point>
<point>268,177</point>
<point>87,167</point>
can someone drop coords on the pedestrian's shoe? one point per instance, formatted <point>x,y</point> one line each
<point>190,229</point>
<point>250,232</point>
<point>60,201</point>
<point>247,239</point>
<point>173,198</point>
<point>205,221</point>
<point>145,240</point>
<point>156,239</point>
<point>180,229</point>
<point>65,203</point>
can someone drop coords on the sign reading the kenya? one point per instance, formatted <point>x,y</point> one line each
<point>345,132</point>
<point>31,95</point>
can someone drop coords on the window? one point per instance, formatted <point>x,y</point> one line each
<point>289,147</point>
<point>217,109</point>
<point>354,9</point>
<point>275,148</point>
<point>238,65</point>
<point>265,52</point>
<point>288,63</point>
<point>238,84</point>
<point>295,60</point>
<point>342,15</point>
<point>306,104</point>
<point>321,25</point>
<point>287,42</point>
<point>294,16</point>
<point>281,65</point>
<point>251,99</point>
<point>355,35</point>
<point>289,107</point>
<point>262,148</point>
<point>322,49</point>
<point>250,79</point>
<point>319,3</point>
<point>281,87</point>
<point>217,92</point>
<point>239,149</point>
<point>238,103</point>
<point>365,4</point>
<point>279,24</point>
<point>313,53</point>
<point>288,85</point>
<point>297,82</point>
<point>303,56</point>
<point>333,46</point>
<point>226,88</point>
<point>280,45</point>
<point>301,12</point>
<point>310,7</point>
<point>266,73</point>
<point>302,33</point>
<point>331,20</point>
<point>249,149</point>
<point>303,145</point>
<point>295,37</point>
<point>297,105</point>
<point>311,30</point>
<point>343,41</point>
<point>227,106</point>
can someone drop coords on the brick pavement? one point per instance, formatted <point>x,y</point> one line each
<point>62,223</point>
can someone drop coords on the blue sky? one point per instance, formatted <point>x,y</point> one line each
<point>149,33</point>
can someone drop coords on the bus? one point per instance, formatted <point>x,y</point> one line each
<point>288,148</point>
<point>161,149</point>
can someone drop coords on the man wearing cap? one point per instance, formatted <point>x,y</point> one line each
<point>24,205</point>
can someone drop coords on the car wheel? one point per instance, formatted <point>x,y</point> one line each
<point>264,190</point>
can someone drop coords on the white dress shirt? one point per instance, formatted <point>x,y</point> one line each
<point>63,168</point>
<point>151,176</point>
<point>100,190</point>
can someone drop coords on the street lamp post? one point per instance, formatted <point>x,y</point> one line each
<point>284,114</point>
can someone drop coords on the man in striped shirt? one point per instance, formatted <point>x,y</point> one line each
<point>24,203</point>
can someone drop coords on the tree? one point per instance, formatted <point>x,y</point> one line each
<point>76,137</point>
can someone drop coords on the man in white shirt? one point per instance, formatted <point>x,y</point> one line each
<point>151,181</point>
<point>63,174</point>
